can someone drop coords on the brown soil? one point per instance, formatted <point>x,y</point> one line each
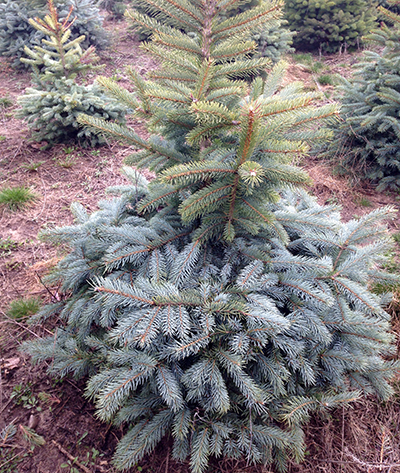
<point>363,439</point>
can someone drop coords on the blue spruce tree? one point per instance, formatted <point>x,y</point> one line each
<point>218,304</point>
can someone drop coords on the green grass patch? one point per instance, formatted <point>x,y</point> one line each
<point>316,67</point>
<point>5,102</point>
<point>303,58</point>
<point>16,198</point>
<point>326,79</point>
<point>22,308</point>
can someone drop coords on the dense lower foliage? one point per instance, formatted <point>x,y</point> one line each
<point>367,142</point>
<point>218,304</point>
<point>329,26</point>
<point>16,32</point>
<point>52,106</point>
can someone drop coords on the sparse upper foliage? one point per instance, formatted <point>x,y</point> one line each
<point>218,304</point>
<point>53,105</point>
<point>273,40</point>
<point>368,140</point>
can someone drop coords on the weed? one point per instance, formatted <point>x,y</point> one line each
<point>116,78</point>
<point>7,246</point>
<point>3,138</point>
<point>23,396</point>
<point>102,164</point>
<point>22,308</point>
<point>79,442</point>
<point>90,461</point>
<point>326,79</point>
<point>305,58</point>
<point>68,157</point>
<point>91,457</point>
<point>87,186</point>
<point>95,152</point>
<point>32,166</point>
<point>316,67</point>
<point>396,237</point>
<point>70,465</point>
<point>332,200</point>
<point>9,460</point>
<point>68,162</point>
<point>13,265</point>
<point>68,150</point>
<point>310,88</point>
<point>47,399</point>
<point>364,202</point>
<point>16,198</point>
<point>5,102</point>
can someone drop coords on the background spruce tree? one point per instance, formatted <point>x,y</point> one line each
<point>218,304</point>
<point>115,8</point>
<point>16,32</point>
<point>51,107</point>
<point>273,42</point>
<point>329,26</point>
<point>367,143</point>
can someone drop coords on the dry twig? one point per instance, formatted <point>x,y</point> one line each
<point>71,457</point>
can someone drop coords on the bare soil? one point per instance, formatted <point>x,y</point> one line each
<point>364,439</point>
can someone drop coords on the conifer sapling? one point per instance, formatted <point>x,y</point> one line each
<point>51,108</point>
<point>367,143</point>
<point>16,32</point>
<point>218,304</point>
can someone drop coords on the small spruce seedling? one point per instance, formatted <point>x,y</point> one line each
<point>20,309</point>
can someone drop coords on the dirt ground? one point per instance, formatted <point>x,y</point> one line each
<point>364,439</point>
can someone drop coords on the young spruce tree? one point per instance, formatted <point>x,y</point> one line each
<point>217,304</point>
<point>330,26</point>
<point>16,31</point>
<point>52,106</point>
<point>368,140</point>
